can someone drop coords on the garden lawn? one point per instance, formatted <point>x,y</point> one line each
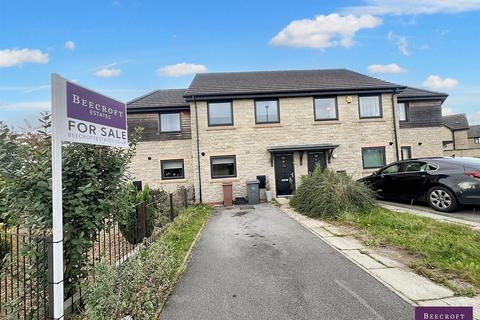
<point>450,248</point>
<point>140,286</point>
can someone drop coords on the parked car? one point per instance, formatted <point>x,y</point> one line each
<point>445,183</point>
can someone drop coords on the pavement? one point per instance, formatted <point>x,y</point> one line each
<point>467,213</point>
<point>259,263</point>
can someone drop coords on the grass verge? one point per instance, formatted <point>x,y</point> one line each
<point>452,249</point>
<point>140,286</point>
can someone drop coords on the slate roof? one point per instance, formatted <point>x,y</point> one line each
<point>456,121</point>
<point>292,81</point>
<point>159,99</point>
<point>416,93</point>
<point>474,132</point>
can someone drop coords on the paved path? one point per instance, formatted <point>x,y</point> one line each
<point>469,213</point>
<point>260,264</point>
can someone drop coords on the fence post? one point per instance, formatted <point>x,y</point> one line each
<point>185,197</point>
<point>171,207</point>
<point>50,276</point>
<point>144,218</point>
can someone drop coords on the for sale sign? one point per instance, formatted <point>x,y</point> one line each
<point>89,117</point>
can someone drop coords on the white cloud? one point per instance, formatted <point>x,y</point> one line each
<point>401,42</point>
<point>386,68</point>
<point>181,69</point>
<point>33,105</point>
<point>474,118</point>
<point>437,83</point>
<point>108,72</point>
<point>447,110</point>
<point>25,89</point>
<point>70,45</point>
<point>413,7</point>
<point>324,31</point>
<point>16,57</point>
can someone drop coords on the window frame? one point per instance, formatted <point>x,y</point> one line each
<point>384,157</point>
<point>255,110</point>
<point>476,140</point>
<point>234,157</point>
<point>160,122</point>
<point>172,160</point>
<point>406,106</point>
<point>220,124</point>
<point>379,96</point>
<point>315,108</point>
<point>409,148</point>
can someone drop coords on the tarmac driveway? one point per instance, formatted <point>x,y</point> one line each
<point>260,264</point>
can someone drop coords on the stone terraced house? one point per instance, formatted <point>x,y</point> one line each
<point>459,138</point>
<point>277,126</point>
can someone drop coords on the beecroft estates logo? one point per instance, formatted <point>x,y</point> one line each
<point>443,313</point>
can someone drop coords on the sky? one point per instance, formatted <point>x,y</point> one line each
<point>125,49</point>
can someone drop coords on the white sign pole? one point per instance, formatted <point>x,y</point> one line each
<point>58,103</point>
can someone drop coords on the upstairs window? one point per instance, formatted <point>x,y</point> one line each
<point>325,108</point>
<point>172,169</point>
<point>402,111</point>
<point>369,107</point>
<point>373,157</point>
<point>266,111</point>
<point>170,122</point>
<point>220,114</point>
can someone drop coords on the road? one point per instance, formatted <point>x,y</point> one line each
<point>465,213</point>
<point>260,264</point>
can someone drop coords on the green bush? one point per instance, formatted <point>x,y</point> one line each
<point>328,194</point>
<point>132,224</point>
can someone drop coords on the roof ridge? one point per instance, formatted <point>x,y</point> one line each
<point>425,90</point>
<point>271,71</point>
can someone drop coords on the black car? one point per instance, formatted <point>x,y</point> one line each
<point>445,183</point>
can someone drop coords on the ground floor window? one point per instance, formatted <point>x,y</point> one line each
<point>223,167</point>
<point>476,140</point>
<point>172,169</point>
<point>406,153</point>
<point>373,157</point>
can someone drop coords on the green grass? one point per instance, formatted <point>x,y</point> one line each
<point>140,286</point>
<point>452,249</point>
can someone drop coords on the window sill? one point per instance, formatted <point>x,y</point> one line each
<point>367,120</point>
<point>326,122</point>
<point>267,125</point>
<point>166,181</point>
<point>223,180</point>
<point>219,128</point>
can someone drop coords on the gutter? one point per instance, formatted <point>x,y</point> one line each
<point>395,133</point>
<point>198,151</point>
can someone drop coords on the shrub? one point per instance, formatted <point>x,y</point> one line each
<point>132,223</point>
<point>4,247</point>
<point>328,194</point>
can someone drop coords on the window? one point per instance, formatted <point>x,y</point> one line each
<point>476,140</point>
<point>402,111</point>
<point>170,122</point>
<point>223,167</point>
<point>415,166</point>
<point>325,108</point>
<point>266,111</point>
<point>406,153</point>
<point>172,169</point>
<point>373,157</point>
<point>369,107</point>
<point>391,169</point>
<point>220,114</point>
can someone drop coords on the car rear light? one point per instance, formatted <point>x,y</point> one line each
<point>474,174</point>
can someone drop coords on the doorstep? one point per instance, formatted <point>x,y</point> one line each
<point>410,286</point>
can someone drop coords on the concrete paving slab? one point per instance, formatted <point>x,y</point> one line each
<point>433,303</point>
<point>413,286</point>
<point>345,243</point>
<point>465,302</point>
<point>386,261</point>
<point>322,232</point>
<point>363,259</point>
<point>339,231</point>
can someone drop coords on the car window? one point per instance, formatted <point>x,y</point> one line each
<point>395,168</point>
<point>416,166</point>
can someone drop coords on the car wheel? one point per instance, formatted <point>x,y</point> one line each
<point>442,199</point>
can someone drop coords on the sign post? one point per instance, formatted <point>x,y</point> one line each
<point>84,116</point>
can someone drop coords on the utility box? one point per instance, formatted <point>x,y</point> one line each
<point>253,191</point>
<point>227,194</point>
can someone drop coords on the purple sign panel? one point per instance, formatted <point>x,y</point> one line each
<point>86,105</point>
<point>443,313</point>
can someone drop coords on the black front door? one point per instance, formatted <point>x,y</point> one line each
<point>284,174</point>
<point>316,158</point>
